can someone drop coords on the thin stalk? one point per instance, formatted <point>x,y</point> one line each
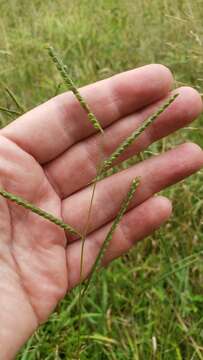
<point>9,111</point>
<point>127,142</point>
<point>80,300</point>
<point>24,203</point>
<point>174,271</point>
<point>71,86</point>
<point>119,167</point>
<point>15,100</point>
<point>109,236</point>
<point>184,263</point>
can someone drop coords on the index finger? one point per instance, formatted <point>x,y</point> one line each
<point>48,130</point>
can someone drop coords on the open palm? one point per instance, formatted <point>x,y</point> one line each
<point>49,156</point>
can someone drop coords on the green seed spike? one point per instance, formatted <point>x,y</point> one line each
<point>127,142</point>
<point>109,236</point>
<point>71,86</point>
<point>24,203</point>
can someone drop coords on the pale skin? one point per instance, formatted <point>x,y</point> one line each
<point>49,156</point>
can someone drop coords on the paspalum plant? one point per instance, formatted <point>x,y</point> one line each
<point>102,167</point>
<point>45,196</point>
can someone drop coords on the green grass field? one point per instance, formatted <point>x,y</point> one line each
<point>149,304</point>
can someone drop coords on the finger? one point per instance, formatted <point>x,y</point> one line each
<point>76,167</point>
<point>155,173</point>
<point>50,129</point>
<point>135,225</point>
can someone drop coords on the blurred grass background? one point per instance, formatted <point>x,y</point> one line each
<point>149,304</point>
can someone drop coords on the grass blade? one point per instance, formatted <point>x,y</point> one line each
<point>71,86</point>
<point>24,203</point>
<point>15,100</point>
<point>9,111</point>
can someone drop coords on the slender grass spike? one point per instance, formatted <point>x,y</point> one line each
<point>127,142</point>
<point>109,236</point>
<point>71,86</point>
<point>24,203</point>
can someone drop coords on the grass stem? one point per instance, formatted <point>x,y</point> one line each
<point>9,111</point>
<point>13,97</point>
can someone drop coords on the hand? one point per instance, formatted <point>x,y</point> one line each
<point>48,156</point>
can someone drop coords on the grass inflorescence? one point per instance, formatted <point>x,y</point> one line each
<point>112,230</point>
<point>127,142</point>
<point>71,86</point>
<point>44,214</point>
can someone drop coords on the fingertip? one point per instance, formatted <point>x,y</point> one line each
<point>162,74</point>
<point>194,152</point>
<point>165,73</point>
<point>163,206</point>
<point>192,100</point>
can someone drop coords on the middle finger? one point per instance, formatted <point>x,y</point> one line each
<point>156,173</point>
